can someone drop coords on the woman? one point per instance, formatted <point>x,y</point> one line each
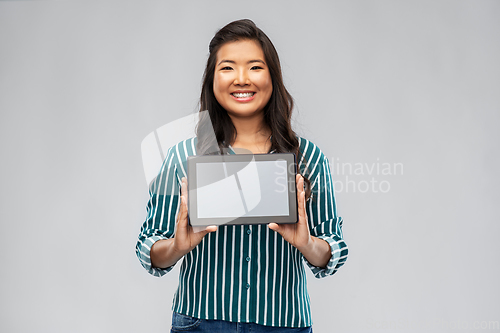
<point>248,277</point>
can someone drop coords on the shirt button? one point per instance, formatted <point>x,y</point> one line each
<point>249,232</point>
<point>248,258</point>
<point>248,285</point>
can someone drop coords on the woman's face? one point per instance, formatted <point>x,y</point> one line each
<point>242,82</point>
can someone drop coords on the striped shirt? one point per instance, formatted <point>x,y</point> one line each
<point>244,273</point>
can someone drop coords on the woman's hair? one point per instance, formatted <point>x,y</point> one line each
<point>277,112</point>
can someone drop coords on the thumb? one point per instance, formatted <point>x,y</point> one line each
<point>275,227</point>
<point>211,228</point>
<point>201,233</point>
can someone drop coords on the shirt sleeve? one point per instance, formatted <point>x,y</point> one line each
<point>162,209</point>
<point>323,220</point>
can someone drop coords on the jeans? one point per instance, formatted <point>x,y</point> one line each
<point>183,323</point>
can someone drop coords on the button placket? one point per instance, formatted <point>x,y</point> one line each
<point>248,231</point>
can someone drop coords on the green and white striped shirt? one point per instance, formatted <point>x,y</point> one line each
<point>244,273</point>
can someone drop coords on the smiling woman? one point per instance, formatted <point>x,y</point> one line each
<point>243,277</point>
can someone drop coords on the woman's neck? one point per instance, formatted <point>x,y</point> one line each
<point>251,130</point>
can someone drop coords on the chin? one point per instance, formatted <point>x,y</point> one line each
<point>244,113</point>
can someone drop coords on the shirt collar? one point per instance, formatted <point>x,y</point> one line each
<point>231,151</point>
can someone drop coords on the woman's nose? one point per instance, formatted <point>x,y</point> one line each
<point>241,78</point>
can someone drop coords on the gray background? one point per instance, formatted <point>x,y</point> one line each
<point>411,82</point>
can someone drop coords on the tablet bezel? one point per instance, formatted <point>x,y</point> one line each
<point>290,159</point>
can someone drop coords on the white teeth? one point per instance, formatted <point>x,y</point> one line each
<point>242,95</point>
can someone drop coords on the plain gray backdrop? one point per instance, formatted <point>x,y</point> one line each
<point>405,93</point>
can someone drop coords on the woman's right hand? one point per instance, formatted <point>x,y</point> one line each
<point>165,253</point>
<point>185,238</point>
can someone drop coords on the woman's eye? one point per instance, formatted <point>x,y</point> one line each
<point>225,68</point>
<point>256,67</point>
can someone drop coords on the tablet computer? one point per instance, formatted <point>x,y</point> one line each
<point>242,189</point>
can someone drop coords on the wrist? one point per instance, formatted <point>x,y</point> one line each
<point>176,251</point>
<point>307,246</point>
<point>164,253</point>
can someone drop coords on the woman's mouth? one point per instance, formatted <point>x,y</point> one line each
<point>243,96</point>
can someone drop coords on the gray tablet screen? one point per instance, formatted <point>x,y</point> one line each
<point>241,189</point>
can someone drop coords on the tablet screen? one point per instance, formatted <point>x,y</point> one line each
<point>240,189</point>
<point>237,189</point>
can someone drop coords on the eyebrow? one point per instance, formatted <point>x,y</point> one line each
<point>249,62</point>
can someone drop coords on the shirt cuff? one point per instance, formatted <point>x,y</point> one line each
<point>144,255</point>
<point>338,250</point>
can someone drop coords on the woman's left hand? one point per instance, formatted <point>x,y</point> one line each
<point>297,234</point>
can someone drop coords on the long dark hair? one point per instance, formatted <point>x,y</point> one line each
<point>277,113</point>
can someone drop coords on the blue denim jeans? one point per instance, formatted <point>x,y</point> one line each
<point>183,323</point>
